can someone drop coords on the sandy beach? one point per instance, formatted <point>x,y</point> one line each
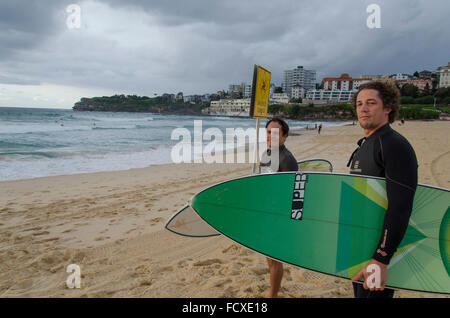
<point>111,224</point>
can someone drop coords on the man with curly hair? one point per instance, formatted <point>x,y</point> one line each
<point>383,152</point>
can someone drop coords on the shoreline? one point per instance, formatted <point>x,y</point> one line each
<point>162,150</point>
<point>112,225</point>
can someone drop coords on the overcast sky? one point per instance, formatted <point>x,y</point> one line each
<point>149,47</point>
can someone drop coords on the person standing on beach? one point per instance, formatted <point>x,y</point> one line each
<point>287,162</point>
<point>320,128</point>
<point>385,153</point>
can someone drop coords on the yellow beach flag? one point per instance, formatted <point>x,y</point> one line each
<point>259,103</point>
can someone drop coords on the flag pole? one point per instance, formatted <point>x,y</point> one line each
<point>256,153</point>
<point>259,104</point>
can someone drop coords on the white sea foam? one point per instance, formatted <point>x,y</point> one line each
<point>26,167</point>
<point>42,142</point>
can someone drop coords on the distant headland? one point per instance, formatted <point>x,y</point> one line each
<point>134,103</point>
<point>169,106</point>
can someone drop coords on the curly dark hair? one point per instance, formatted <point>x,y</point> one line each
<point>389,94</point>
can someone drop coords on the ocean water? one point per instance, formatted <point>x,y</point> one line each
<point>47,142</point>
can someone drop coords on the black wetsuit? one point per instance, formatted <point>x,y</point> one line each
<point>388,154</point>
<point>287,161</point>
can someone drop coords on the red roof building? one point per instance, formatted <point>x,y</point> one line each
<point>343,83</point>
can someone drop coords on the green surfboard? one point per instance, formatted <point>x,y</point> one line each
<point>187,222</point>
<point>331,223</point>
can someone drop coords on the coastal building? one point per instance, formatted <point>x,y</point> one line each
<point>272,89</point>
<point>190,98</point>
<point>206,98</point>
<point>220,93</point>
<point>196,99</point>
<point>401,77</point>
<point>300,76</point>
<point>297,91</point>
<point>168,97</point>
<point>179,96</point>
<point>385,78</point>
<point>343,83</point>
<point>372,77</point>
<point>444,76</point>
<point>426,74</point>
<point>234,89</point>
<point>244,90</point>
<point>418,82</point>
<point>329,95</point>
<point>238,90</point>
<point>247,90</point>
<point>279,98</point>
<point>230,107</point>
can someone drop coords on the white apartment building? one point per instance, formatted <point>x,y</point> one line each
<point>297,91</point>
<point>230,107</point>
<point>247,90</point>
<point>330,95</point>
<point>401,77</point>
<point>279,98</point>
<point>444,76</point>
<point>234,88</point>
<point>300,76</point>
<point>197,98</point>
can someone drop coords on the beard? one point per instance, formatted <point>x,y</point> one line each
<point>368,125</point>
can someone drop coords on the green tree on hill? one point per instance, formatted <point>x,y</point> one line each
<point>409,90</point>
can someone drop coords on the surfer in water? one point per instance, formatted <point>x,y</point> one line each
<point>287,162</point>
<point>384,153</point>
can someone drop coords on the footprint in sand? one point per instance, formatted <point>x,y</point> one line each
<point>37,228</point>
<point>209,262</point>
<point>222,282</point>
<point>41,233</point>
<point>146,282</point>
<point>260,270</point>
<point>156,220</point>
<point>101,238</point>
<point>162,269</point>
<point>49,240</point>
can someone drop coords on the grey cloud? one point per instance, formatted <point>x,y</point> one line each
<point>26,24</point>
<point>18,80</point>
<point>203,46</point>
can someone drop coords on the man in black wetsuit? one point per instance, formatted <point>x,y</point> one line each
<point>286,162</point>
<point>385,153</point>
